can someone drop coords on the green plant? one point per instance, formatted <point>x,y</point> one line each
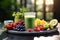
<point>17,16</point>
<point>23,9</point>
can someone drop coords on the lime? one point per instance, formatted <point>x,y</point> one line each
<point>46,26</point>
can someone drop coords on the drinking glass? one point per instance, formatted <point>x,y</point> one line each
<point>29,19</point>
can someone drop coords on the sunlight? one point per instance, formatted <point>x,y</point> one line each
<point>32,1</point>
<point>49,2</point>
<point>38,2</point>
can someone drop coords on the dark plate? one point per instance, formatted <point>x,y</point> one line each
<point>33,33</point>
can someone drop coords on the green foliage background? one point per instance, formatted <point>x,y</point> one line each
<point>5,10</point>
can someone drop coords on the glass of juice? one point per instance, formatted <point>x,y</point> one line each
<point>29,19</point>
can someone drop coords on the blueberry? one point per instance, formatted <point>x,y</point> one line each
<point>21,26</point>
<point>15,29</point>
<point>22,29</point>
<point>18,29</point>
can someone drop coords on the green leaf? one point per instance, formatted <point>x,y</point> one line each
<point>13,14</point>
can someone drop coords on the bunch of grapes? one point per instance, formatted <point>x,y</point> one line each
<point>21,22</point>
<point>20,26</point>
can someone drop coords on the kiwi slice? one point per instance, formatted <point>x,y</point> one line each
<point>53,23</point>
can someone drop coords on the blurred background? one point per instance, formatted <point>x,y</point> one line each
<point>45,9</point>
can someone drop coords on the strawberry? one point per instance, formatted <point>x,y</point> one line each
<point>41,27</point>
<point>35,28</point>
<point>29,30</point>
<point>38,29</point>
<point>14,24</point>
<point>8,26</point>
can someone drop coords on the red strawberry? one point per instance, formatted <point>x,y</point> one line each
<point>29,30</point>
<point>38,29</point>
<point>41,27</point>
<point>35,28</point>
<point>8,26</point>
<point>14,24</point>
